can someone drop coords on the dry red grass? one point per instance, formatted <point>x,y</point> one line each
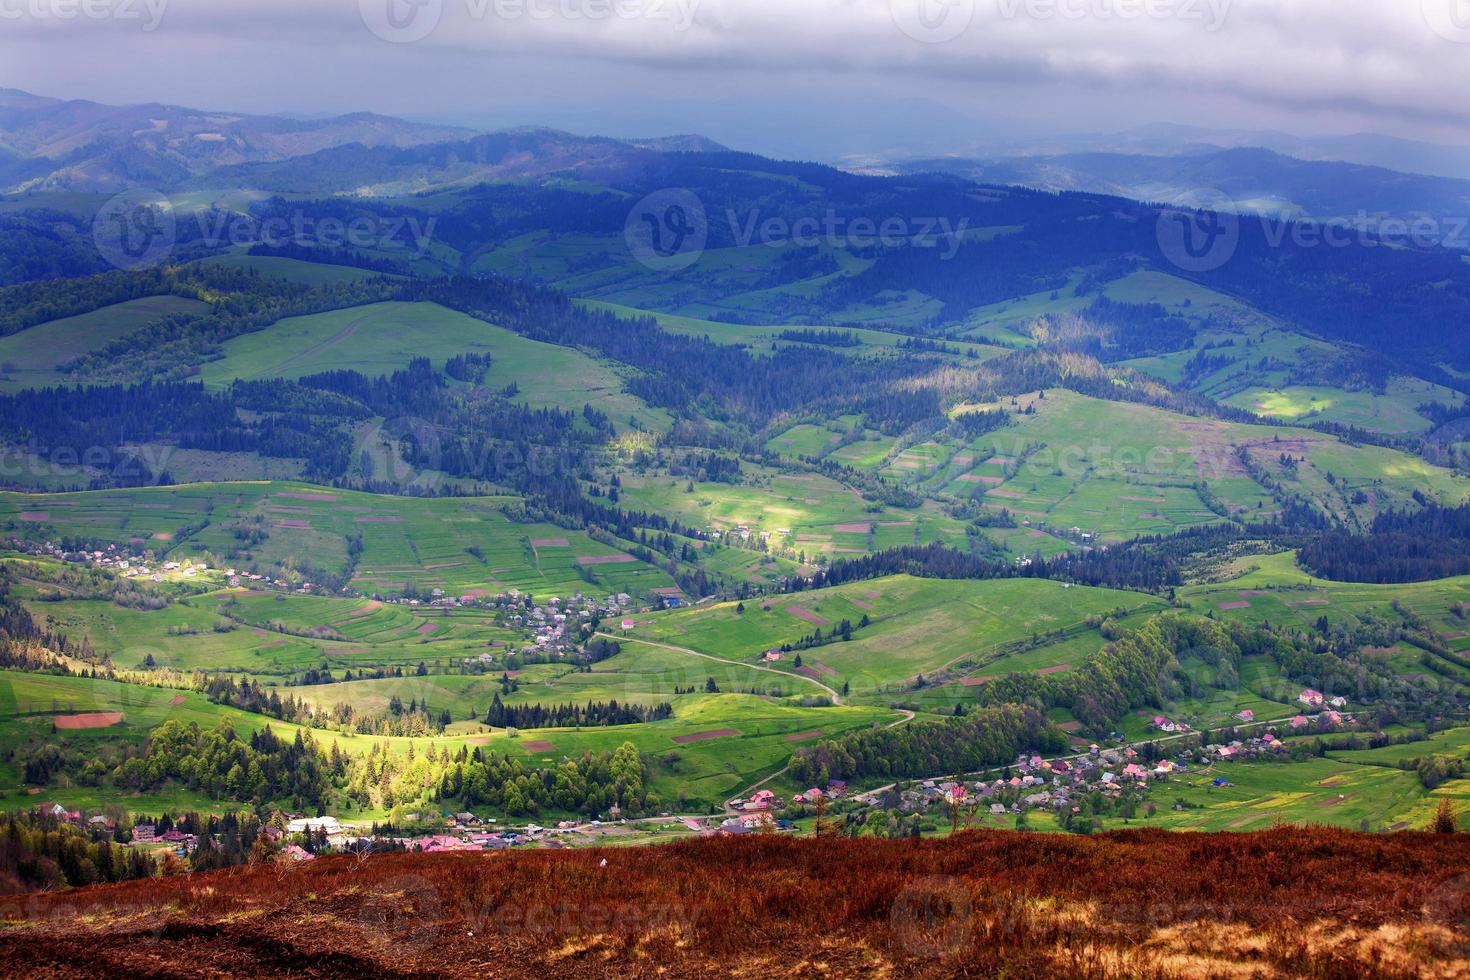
<point>1312,902</point>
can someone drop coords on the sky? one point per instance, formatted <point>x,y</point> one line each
<point>809,78</point>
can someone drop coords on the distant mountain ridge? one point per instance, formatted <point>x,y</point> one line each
<point>57,145</point>
<point>1257,181</point>
<point>49,145</point>
<point>387,171</point>
<point>1172,139</point>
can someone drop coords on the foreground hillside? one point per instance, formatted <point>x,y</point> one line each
<point>1290,902</point>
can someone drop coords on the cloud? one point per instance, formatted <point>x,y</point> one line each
<point>1384,59</point>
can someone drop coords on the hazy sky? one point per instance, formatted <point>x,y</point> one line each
<point>809,77</point>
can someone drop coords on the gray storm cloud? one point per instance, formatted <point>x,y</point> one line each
<point>1390,58</point>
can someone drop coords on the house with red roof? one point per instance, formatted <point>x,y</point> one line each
<point>762,799</point>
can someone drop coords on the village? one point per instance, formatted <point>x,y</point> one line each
<point>1122,777</point>
<point>554,627</point>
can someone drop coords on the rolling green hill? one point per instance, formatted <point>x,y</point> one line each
<point>31,358</point>
<point>384,337</point>
<point>299,531</point>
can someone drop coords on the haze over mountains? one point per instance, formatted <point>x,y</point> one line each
<point>49,145</point>
<point>1253,180</point>
<point>1171,139</point>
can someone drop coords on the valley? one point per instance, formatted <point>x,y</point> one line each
<point>516,531</point>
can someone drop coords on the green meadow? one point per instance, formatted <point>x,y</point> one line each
<point>1393,411</point>
<point>381,338</point>
<point>32,357</point>
<point>1116,469</point>
<point>287,529</point>
<point>754,734</point>
<point>805,513</point>
<point>1274,588</point>
<point>917,627</point>
<point>1262,795</point>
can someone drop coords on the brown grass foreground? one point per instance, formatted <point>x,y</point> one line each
<point>1290,902</point>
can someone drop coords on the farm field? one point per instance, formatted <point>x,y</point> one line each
<point>270,635</point>
<point>1144,465</point>
<point>919,626</point>
<point>1113,470</point>
<point>806,513</point>
<point>704,773</point>
<point>1274,588</point>
<point>1263,795</point>
<point>381,338</point>
<point>1393,412</point>
<point>298,530</point>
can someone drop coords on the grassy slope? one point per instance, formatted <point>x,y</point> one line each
<point>705,772</point>
<point>1097,453</point>
<point>405,539</point>
<point>1291,595</point>
<point>1118,469</point>
<point>382,337</point>
<point>919,626</point>
<point>36,353</point>
<point>821,515</point>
